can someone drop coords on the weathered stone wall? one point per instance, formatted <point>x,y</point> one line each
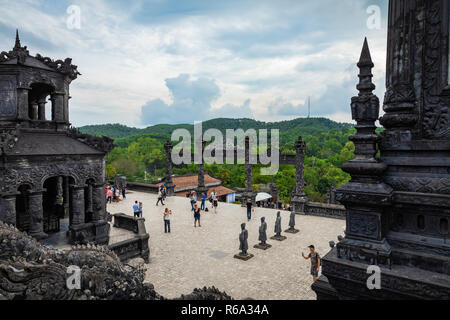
<point>325,210</point>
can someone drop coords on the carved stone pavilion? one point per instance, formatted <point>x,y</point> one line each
<point>49,172</point>
<point>398,205</point>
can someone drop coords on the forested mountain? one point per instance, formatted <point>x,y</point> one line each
<point>139,153</point>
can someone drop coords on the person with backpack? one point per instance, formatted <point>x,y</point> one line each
<point>160,198</point>
<point>196,216</point>
<point>136,209</point>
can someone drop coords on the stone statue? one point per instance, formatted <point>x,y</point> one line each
<point>262,231</point>
<point>277,230</point>
<point>292,220</point>
<point>278,225</point>
<point>243,241</point>
<point>292,224</point>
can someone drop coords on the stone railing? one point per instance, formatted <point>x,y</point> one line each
<point>136,246</point>
<point>137,186</point>
<point>325,210</point>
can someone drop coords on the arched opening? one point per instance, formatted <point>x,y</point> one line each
<point>56,205</point>
<point>37,102</point>
<point>22,209</point>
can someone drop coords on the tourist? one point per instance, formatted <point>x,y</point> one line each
<point>215,204</point>
<point>136,209</point>
<point>202,206</point>
<point>109,195</point>
<point>116,194</point>
<point>193,200</point>
<point>196,215</point>
<point>160,197</point>
<point>124,191</point>
<point>164,192</point>
<point>315,261</point>
<point>213,196</point>
<point>249,209</point>
<point>167,214</point>
<point>140,209</point>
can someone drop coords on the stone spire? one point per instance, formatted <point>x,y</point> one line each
<point>365,196</point>
<point>299,198</point>
<point>17,45</point>
<point>168,181</point>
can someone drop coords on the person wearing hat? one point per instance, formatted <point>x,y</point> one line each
<point>315,261</point>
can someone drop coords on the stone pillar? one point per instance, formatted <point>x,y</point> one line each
<point>274,193</point>
<point>98,203</point>
<point>8,209</point>
<point>77,206</point>
<point>23,103</point>
<point>249,193</point>
<point>41,109</point>
<point>36,212</point>
<point>299,198</point>
<point>201,174</point>
<point>366,195</point>
<point>34,112</point>
<point>57,99</point>
<point>88,198</point>
<point>168,181</point>
<point>66,196</point>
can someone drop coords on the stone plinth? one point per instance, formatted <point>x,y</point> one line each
<point>279,238</point>
<point>292,230</point>
<point>245,258</point>
<point>262,246</point>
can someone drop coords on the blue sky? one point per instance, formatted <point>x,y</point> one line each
<point>160,61</point>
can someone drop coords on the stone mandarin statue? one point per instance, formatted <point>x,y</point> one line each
<point>243,241</point>
<point>262,231</point>
<point>278,225</point>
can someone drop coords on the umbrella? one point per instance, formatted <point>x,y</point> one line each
<point>262,196</point>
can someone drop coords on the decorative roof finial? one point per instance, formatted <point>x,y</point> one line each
<point>365,65</point>
<point>17,45</point>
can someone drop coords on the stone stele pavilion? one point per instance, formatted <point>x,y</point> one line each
<point>49,172</point>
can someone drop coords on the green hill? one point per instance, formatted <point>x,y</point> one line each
<point>299,126</point>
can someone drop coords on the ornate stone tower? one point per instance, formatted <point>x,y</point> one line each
<point>398,206</point>
<point>299,198</point>
<point>49,173</point>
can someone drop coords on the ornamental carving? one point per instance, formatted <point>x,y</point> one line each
<point>422,185</point>
<point>36,176</point>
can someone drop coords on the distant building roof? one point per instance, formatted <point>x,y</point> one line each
<point>191,181</point>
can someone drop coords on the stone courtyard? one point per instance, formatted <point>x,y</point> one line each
<point>191,257</point>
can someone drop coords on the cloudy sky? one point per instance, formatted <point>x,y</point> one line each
<point>146,62</point>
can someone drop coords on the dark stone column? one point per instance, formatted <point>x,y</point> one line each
<point>41,109</point>
<point>98,203</point>
<point>299,198</point>
<point>8,209</point>
<point>274,192</point>
<point>23,103</point>
<point>78,206</point>
<point>201,174</point>
<point>365,196</point>
<point>88,199</point>
<point>249,193</point>
<point>66,196</point>
<point>57,99</point>
<point>35,208</point>
<point>34,111</point>
<point>169,184</point>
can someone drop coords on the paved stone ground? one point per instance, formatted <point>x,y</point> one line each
<point>191,257</point>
